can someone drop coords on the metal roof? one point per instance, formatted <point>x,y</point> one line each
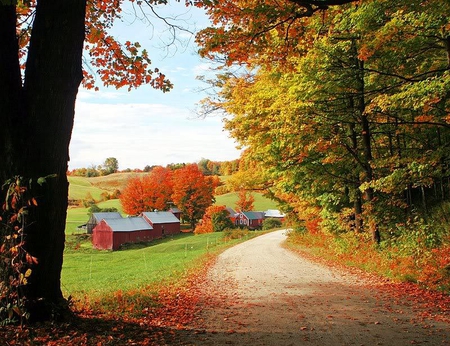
<point>161,217</point>
<point>230,211</point>
<point>253,215</point>
<point>128,224</point>
<point>106,215</point>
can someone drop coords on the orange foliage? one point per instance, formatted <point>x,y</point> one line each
<point>193,192</point>
<point>206,226</point>
<point>245,201</point>
<point>152,191</point>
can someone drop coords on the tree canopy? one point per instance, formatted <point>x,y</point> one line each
<point>345,113</point>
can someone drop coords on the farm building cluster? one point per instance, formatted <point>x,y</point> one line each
<point>110,230</point>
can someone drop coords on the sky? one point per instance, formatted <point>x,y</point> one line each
<point>145,126</point>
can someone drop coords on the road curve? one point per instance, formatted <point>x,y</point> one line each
<point>259,293</point>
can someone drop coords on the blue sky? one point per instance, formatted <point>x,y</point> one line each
<point>145,126</point>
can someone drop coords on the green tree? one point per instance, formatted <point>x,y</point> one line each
<point>345,121</point>
<point>111,165</point>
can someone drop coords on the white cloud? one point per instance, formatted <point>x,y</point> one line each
<point>145,134</point>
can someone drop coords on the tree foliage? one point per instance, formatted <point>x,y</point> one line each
<point>345,113</point>
<point>215,219</point>
<point>245,201</point>
<point>193,192</point>
<point>148,192</point>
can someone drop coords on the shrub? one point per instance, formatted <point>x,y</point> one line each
<point>236,233</point>
<point>271,223</point>
<point>16,263</point>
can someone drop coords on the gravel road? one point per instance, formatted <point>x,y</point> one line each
<point>259,293</point>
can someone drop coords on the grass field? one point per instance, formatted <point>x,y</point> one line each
<point>95,273</point>
<point>261,203</point>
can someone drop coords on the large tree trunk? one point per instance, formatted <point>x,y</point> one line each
<point>10,88</point>
<point>39,125</point>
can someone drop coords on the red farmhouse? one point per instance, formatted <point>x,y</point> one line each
<point>109,234</point>
<point>251,219</point>
<point>163,222</point>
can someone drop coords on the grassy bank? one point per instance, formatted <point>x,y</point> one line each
<point>93,274</point>
<point>401,262</point>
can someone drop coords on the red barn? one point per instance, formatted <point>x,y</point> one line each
<point>163,222</point>
<point>109,234</point>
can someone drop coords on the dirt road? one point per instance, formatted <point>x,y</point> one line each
<point>259,293</point>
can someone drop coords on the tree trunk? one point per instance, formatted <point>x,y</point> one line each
<point>10,88</point>
<point>40,131</point>
<point>367,149</point>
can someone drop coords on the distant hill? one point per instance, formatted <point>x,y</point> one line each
<point>261,203</point>
<point>80,186</point>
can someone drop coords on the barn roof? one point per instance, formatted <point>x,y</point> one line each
<point>253,215</point>
<point>161,217</point>
<point>128,224</point>
<point>231,211</point>
<point>106,215</point>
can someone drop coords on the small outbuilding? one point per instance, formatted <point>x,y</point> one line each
<point>175,211</point>
<point>95,219</point>
<point>251,219</point>
<point>110,234</point>
<point>163,222</point>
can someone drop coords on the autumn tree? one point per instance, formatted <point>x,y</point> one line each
<point>344,109</point>
<point>41,52</point>
<point>193,192</point>
<point>215,219</point>
<point>245,201</point>
<point>149,192</point>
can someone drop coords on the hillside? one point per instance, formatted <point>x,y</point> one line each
<point>261,203</point>
<point>80,188</point>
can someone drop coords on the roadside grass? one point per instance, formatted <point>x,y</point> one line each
<point>92,277</point>
<point>422,266</point>
<point>261,203</point>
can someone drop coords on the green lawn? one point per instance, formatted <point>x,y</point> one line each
<point>96,273</point>
<point>261,203</point>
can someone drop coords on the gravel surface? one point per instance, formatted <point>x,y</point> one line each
<point>259,293</point>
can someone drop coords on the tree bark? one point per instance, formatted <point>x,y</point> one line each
<point>39,126</point>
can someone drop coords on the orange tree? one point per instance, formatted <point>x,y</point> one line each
<point>193,192</point>
<point>152,191</point>
<point>215,219</point>
<point>245,201</point>
<point>41,48</point>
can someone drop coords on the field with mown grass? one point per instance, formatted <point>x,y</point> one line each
<point>96,274</point>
